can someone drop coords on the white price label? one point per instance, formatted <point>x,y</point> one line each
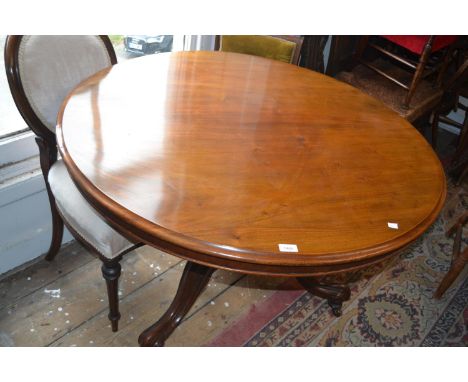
<point>288,248</point>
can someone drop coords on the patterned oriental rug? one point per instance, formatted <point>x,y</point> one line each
<point>391,305</point>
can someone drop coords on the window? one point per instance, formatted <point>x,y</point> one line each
<point>131,46</point>
<point>11,121</point>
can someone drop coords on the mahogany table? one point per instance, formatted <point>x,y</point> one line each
<point>247,164</point>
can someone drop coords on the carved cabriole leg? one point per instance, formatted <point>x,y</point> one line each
<point>48,155</point>
<point>335,294</point>
<point>192,283</point>
<point>111,273</point>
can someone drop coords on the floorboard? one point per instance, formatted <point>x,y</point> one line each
<point>16,285</point>
<point>64,303</point>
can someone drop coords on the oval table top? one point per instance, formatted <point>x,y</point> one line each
<point>221,157</point>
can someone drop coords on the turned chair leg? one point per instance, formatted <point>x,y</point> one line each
<point>445,63</point>
<point>462,176</point>
<point>458,264</point>
<point>459,260</point>
<point>462,141</point>
<point>419,71</point>
<point>111,273</point>
<point>435,129</point>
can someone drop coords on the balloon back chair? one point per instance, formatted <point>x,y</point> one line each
<point>41,71</point>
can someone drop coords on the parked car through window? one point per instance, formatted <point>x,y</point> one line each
<point>148,44</point>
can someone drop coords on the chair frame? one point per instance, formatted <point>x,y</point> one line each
<point>450,101</point>
<point>459,260</point>
<point>298,40</point>
<point>419,68</point>
<point>47,143</point>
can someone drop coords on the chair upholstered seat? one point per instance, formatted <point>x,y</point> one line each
<point>425,98</point>
<point>82,217</point>
<point>416,43</point>
<point>422,64</point>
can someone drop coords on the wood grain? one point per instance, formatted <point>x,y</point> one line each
<point>219,157</point>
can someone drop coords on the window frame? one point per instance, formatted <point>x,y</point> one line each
<point>19,144</point>
<point>17,147</point>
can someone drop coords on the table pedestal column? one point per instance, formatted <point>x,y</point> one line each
<point>194,280</point>
<point>335,294</point>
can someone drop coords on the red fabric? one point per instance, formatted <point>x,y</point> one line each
<point>416,43</point>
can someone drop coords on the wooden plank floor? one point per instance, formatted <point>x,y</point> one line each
<point>64,303</point>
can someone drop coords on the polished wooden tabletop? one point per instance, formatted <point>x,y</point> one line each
<point>221,157</point>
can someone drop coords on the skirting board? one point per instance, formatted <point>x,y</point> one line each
<point>25,223</point>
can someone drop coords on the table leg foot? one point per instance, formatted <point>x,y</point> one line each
<point>193,281</point>
<point>336,307</point>
<point>335,294</point>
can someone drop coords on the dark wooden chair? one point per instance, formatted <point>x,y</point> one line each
<point>459,259</point>
<point>424,101</point>
<point>280,47</point>
<point>41,70</point>
<point>414,53</point>
<point>454,88</point>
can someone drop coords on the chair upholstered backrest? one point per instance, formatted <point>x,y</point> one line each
<point>274,47</point>
<point>42,70</point>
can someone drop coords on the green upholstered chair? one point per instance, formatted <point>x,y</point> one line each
<point>281,48</point>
